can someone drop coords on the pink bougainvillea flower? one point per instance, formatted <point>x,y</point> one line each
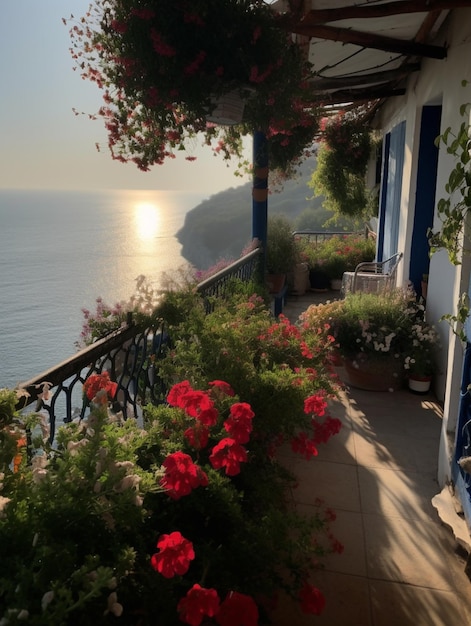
<point>174,556</point>
<point>237,609</point>
<point>100,382</point>
<point>177,391</point>
<point>312,600</point>
<point>198,603</point>
<point>228,454</point>
<point>315,404</point>
<point>182,475</point>
<point>220,385</point>
<point>197,436</point>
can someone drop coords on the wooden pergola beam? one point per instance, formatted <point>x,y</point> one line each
<point>322,16</point>
<point>324,84</point>
<point>367,40</point>
<point>343,96</point>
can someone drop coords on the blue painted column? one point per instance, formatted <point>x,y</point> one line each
<point>260,197</point>
<point>260,188</point>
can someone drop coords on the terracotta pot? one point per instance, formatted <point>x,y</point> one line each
<point>419,384</point>
<point>374,374</point>
<point>275,282</point>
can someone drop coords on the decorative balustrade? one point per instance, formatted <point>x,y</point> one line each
<point>128,354</point>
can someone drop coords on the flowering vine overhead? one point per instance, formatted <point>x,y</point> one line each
<point>162,64</point>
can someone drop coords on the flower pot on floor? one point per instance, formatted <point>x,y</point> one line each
<point>374,374</point>
<point>419,384</point>
<point>319,280</point>
<point>275,282</point>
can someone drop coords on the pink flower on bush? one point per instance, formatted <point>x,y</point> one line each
<point>237,609</point>
<point>228,454</point>
<point>239,423</point>
<point>182,475</point>
<point>312,600</point>
<point>198,603</point>
<point>174,556</point>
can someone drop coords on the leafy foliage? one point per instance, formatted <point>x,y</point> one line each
<point>342,160</point>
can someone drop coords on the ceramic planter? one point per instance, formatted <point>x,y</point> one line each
<point>420,384</point>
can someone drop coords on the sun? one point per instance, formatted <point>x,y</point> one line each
<point>147,220</point>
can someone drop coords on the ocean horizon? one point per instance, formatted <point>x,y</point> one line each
<point>60,250</point>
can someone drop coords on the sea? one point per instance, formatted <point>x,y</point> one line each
<point>61,250</point>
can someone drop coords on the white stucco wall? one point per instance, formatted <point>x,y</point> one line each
<point>438,82</point>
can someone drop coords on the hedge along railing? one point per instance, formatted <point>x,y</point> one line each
<point>245,269</point>
<point>319,236</point>
<point>128,354</point>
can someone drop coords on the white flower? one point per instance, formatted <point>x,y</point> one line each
<point>113,605</point>
<point>47,599</point>
<point>3,503</point>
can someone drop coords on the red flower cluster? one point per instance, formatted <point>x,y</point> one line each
<point>182,475</point>
<point>97,383</point>
<point>312,600</point>
<point>321,431</point>
<point>228,453</point>
<point>237,609</point>
<point>175,555</point>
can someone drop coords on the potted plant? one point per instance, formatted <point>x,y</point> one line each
<point>420,356</point>
<point>372,332</point>
<point>165,65</point>
<point>281,254</point>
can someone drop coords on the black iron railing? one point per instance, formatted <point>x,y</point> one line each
<point>128,354</point>
<point>318,236</point>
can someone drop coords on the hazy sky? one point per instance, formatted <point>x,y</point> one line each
<point>43,145</point>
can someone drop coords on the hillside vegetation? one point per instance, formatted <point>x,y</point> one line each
<point>221,226</point>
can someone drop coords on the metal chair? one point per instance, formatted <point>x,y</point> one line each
<point>372,276</point>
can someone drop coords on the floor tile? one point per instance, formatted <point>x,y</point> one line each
<point>335,483</point>
<point>406,551</point>
<point>395,604</point>
<point>397,494</point>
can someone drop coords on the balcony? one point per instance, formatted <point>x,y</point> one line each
<point>399,564</point>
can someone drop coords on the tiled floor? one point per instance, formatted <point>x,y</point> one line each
<point>400,565</point>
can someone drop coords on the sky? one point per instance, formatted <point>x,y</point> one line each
<point>43,145</point>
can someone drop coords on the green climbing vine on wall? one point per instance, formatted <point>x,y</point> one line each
<point>453,235</point>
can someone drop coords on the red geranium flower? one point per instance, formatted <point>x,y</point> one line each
<point>177,391</point>
<point>182,475</point>
<point>228,454</point>
<point>312,600</point>
<point>195,401</point>
<point>197,603</point>
<point>222,386</point>
<point>315,404</point>
<point>239,423</point>
<point>100,382</point>
<point>197,436</point>
<point>175,555</point>
<point>237,609</point>
<point>301,444</point>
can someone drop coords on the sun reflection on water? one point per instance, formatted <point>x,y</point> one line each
<point>147,219</point>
